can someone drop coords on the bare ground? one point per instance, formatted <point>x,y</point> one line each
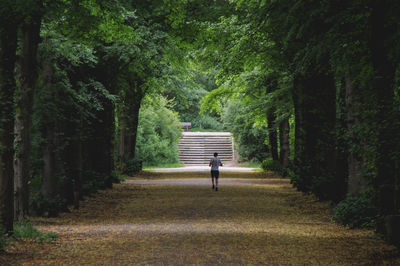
<point>177,219</point>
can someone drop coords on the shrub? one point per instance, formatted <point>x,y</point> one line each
<point>133,166</point>
<point>46,206</point>
<point>356,211</point>
<point>26,230</point>
<point>275,166</point>
<point>159,131</point>
<point>248,136</point>
<point>3,240</point>
<point>207,122</point>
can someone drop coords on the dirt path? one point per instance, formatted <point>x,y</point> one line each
<point>155,219</point>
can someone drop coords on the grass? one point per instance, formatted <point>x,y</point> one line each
<point>166,165</point>
<point>251,164</point>
<point>27,230</point>
<point>242,224</point>
<point>4,241</point>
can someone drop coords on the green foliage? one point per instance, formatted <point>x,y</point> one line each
<point>95,180</point>
<point>159,131</point>
<point>249,138</point>
<point>252,164</point>
<point>48,206</point>
<point>26,230</point>
<point>200,129</point>
<point>166,165</point>
<point>186,85</point>
<point>3,241</point>
<point>275,166</point>
<point>118,177</point>
<point>206,122</point>
<point>134,166</point>
<point>356,211</point>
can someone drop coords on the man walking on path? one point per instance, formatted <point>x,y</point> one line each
<point>215,163</point>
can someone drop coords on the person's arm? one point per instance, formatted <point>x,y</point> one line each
<point>210,162</point>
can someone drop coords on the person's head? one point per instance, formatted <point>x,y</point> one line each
<point>215,154</point>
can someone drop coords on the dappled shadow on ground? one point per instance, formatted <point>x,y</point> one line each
<point>254,221</point>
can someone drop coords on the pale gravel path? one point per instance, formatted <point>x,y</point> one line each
<point>202,168</point>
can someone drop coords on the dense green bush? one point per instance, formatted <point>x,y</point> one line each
<point>26,230</point>
<point>249,138</point>
<point>46,206</point>
<point>133,166</point>
<point>187,94</point>
<point>271,165</point>
<point>159,131</point>
<point>3,240</point>
<point>207,122</point>
<point>356,211</point>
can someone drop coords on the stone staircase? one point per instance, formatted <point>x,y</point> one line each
<point>196,148</point>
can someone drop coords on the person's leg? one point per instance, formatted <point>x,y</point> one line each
<point>216,180</point>
<point>212,179</point>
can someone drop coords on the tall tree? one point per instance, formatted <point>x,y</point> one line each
<point>284,142</point>
<point>27,77</point>
<point>8,46</point>
<point>383,28</point>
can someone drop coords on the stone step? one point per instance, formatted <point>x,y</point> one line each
<point>207,154</point>
<point>205,151</point>
<point>197,148</point>
<point>203,156</point>
<point>203,141</point>
<point>206,138</point>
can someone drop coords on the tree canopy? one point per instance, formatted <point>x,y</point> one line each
<point>90,88</point>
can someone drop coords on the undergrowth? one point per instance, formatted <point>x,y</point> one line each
<point>3,241</point>
<point>275,166</point>
<point>356,211</point>
<point>27,230</point>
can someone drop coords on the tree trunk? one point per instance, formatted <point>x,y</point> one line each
<point>8,42</point>
<point>69,154</point>
<point>27,80</point>
<point>128,123</point>
<point>134,109</point>
<point>49,182</point>
<point>355,183</point>
<point>315,147</point>
<point>99,148</point>
<point>299,140</point>
<point>272,134</point>
<point>284,130</point>
<point>122,140</point>
<point>79,166</point>
<point>383,85</point>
